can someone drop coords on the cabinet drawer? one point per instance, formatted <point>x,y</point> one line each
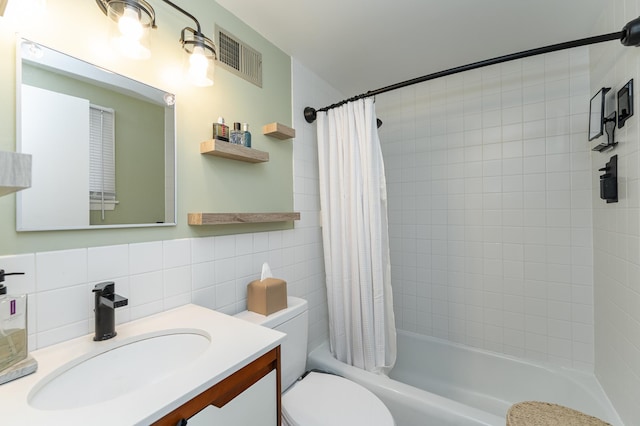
<point>256,406</point>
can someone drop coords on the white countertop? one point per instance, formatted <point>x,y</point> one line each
<point>235,343</point>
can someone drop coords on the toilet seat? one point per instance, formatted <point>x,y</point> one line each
<point>324,399</point>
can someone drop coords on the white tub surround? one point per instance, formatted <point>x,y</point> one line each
<point>453,384</point>
<point>490,207</point>
<point>234,344</point>
<point>616,227</point>
<point>15,172</point>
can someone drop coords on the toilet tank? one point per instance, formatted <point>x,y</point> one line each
<point>293,321</point>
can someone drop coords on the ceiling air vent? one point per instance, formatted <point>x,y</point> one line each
<point>238,57</point>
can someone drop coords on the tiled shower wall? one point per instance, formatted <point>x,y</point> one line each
<point>209,271</point>
<point>617,226</point>
<point>489,187</point>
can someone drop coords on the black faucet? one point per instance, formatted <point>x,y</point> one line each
<point>106,303</point>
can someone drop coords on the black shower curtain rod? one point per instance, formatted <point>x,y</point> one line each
<point>629,36</point>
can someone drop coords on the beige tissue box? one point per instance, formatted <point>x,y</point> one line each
<point>267,296</point>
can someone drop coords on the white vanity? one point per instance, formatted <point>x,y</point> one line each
<point>189,363</point>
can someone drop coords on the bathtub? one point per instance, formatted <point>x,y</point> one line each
<point>436,382</point>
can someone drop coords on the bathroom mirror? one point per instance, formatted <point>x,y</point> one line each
<point>596,114</point>
<point>103,145</point>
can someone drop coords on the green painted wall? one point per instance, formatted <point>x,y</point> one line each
<point>139,147</point>
<point>204,183</point>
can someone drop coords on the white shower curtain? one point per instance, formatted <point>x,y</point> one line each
<point>353,199</point>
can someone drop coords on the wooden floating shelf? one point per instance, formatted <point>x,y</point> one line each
<point>232,151</point>
<point>235,218</point>
<point>278,131</point>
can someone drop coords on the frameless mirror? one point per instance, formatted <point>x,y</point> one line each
<point>103,145</point>
<point>596,114</point>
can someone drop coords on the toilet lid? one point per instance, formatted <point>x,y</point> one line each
<point>324,399</point>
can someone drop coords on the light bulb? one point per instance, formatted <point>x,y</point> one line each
<point>130,38</point>
<point>129,25</point>
<point>198,66</point>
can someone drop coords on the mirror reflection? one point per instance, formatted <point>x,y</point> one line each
<point>103,145</point>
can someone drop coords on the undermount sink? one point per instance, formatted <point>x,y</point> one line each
<point>118,369</point>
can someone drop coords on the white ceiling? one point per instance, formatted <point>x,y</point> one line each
<point>361,45</point>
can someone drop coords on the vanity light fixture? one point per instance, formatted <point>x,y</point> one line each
<point>202,56</point>
<point>135,19</point>
<point>132,21</point>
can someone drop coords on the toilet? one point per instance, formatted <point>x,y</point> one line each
<point>316,398</point>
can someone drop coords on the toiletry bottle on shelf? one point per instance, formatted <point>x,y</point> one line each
<point>221,130</point>
<point>236,134</point>
<point>246,135</point>
<point>13,325</point>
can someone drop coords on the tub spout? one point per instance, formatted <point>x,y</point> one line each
<point>106,302</point>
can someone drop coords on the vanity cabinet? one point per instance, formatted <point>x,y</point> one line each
<point>250,396</point>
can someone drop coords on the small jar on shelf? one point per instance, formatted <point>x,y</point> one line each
<point>236,134</point>
<point>246,135</point>
<point>221,130</point>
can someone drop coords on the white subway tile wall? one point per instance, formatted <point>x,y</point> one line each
<point>209,271</point>
<point>306,260</point>
<point>159,276</point>
<point>617,228</point>
<point>490,207</point>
